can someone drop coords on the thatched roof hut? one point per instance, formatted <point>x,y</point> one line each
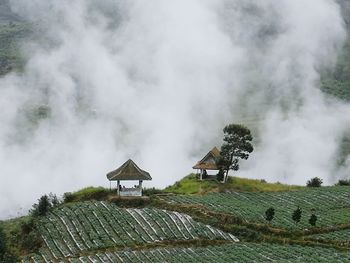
<point>208,162</point>
<point>129,171</point>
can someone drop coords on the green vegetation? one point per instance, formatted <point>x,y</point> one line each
<point>10,38</point>
<point>88,193</point>
<point>296,216</point>
<point>203,222</point>
<point>238,252</point>
<point>343,183</point>
<point>314,182</point>
<point>45,203</point>
<point>237,145</point>
<point>75,229</point>
<point>269,214</point>
<point>313,219</point>
<point>21,236</point>
<point>330,203</point>
<point>191,185</point>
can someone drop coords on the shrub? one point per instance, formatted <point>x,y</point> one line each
<point>85,194</point>
<point>313,219</point>
<point>220,176</point>
<point>314,182</point>
<point>269,214</point>
<point>68,197</point>
<point>296,216</point>
<point>344,182</point>
<point>29,240</point>
<point>5,255</point>
<point>45,203</point>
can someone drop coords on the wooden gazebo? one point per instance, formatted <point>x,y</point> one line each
<point>207,163</point>
<point>129,171</point>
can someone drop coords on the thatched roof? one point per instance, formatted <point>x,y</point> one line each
<point>128,171</point>
<point>208,162</point>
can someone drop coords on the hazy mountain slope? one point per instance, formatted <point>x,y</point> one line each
<point>337,81</point>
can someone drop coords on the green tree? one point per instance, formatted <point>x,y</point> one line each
<point>270,214</point>
<point>313,219</point>
<point>296,216</point>
<point>42,207</point>
<point>314,182</point>
<point>237,145</point>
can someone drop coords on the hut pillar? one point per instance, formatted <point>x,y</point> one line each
<point>201,175</point>
<point>140,184</point>
<point>118,187</point>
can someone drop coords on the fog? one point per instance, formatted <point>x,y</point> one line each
<point>156,81</point>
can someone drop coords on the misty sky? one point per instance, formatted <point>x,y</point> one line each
<point>156,81</point>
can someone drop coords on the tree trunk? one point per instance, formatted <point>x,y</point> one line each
<point>228,168</point>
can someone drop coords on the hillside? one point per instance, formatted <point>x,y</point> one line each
<point>226,224</point>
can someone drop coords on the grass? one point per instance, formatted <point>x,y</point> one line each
<point>87,193</point>
<point>191,185</point>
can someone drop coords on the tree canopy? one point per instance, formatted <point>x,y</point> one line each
<point>237,145</point>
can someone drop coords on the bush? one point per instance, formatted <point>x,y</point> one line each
<point>220,176</point>
<point>29,239</point>
<point>68,197</point>
<point>45,203</point>
<point>314,182</point>
<point>343,182</point>
<point>312,220</point>
<point>5,255</point>
<point>269,214</point>
<point>86,194</point>
<point>296,216</point>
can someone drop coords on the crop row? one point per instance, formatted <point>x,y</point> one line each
<point>238,252</point>
<point>67,231</point>
<point>330,204</point>
<point>339,235</point>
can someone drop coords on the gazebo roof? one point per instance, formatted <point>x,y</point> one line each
<point>208,161</point>
<point>128,171</point>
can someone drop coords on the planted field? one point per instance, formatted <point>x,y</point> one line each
<point>238,252</point>
<point>330,204</point>
<point>71,230</point>
<point>339,235</point>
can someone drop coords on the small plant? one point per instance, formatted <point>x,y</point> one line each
<point>313,219</point>
<point>314,182</point>
<point>296,216</point>
<point>269,214</point>
<point>344,182</point>
<point>68,197</point>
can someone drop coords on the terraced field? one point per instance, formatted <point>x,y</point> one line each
<point>238,252</point>
<point>70,231</point>
<point>339,235</point>
<point>330,204</point>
